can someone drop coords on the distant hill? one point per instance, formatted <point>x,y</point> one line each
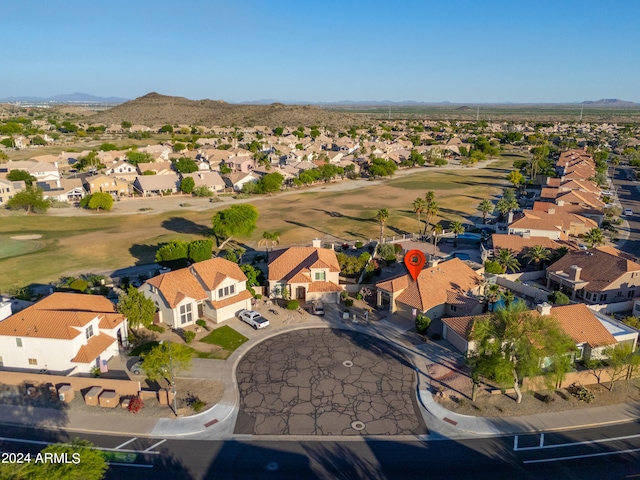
<point>155,109</point>
<point>610,102</point>
<point>66,98</point>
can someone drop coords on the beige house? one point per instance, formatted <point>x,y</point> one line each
<point>447,288</point>
<point>306,273</point>
<point>597,275</point>
<point>214,289</point>
<point>103,183</point>
<point>556,225</point>
<point>8,189</point>
<point>68,333</point>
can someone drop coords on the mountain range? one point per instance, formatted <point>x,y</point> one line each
<point>66,98</point>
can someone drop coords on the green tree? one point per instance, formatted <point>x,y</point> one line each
<point>134,157</point>
<point>491,295</point>
<point>516,178</point>
<point>507,260</point>
<point>165,358</point>
<point>422,323</point>
<point>254,275</point>
<point>594,237</point>
<point>271,182</point>
<point>187,185</point>
<point>458,229</point>
<point>21,175</point>
<point>486,207</point>
<point>382,216</point>
<point>431,209</point>
<point>493,267</point>
<point>419,206</point>
<point>436,231</point>
<point>559,298</point>
<point>138,309</point>
<point>269,239</point>
<point>278,131</point>
<point>185,165</point>
<point>200,250</point>
<point>538,255</point>
<point>100,201</point>
<point>513,343</point>
<point>126,125</point>
<point>29,200</point>
<point>235,221</point>
<point>166,129</point>
<point>174,250</point>
<point>621,359</point>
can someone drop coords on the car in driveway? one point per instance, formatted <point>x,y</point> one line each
<point>136,368</point>
<point>628,211</point>
<point>253,318</point>
<point>317,308</point>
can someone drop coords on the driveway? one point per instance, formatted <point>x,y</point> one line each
<point>326,382</point>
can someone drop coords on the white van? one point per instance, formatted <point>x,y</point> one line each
<point>317,308</point>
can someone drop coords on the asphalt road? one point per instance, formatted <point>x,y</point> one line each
<point>609,452</point>
<point>628,191</point>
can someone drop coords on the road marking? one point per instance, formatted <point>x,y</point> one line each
<point>126,443</point>
<point>572,444</point>
<point>212,422</point>
<point>155,445</point>
<point>601,454</point>
<point>137,465</point>
<point>40,442</point>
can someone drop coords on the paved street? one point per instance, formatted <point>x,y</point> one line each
<point>628,191</point>
<point>326,382</point>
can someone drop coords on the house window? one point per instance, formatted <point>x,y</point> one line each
<point>580,352</point>
<point>452,308</point>
<point>603,297</point>
<point>220,292</point>
<point>232,289</point>
<point>185,313</point>
<point>18,342</point>
<point>631,293</point>
<point>33,361</point>
<point>89,332</point>
<point>320,276</point>
<point>226,291</point>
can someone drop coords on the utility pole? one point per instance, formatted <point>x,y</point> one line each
<point>173,381</point>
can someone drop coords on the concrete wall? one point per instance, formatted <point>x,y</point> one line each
<point>509,281</point>
<point>612,307</point>
<point>583,377</point>
<point>123,387</point>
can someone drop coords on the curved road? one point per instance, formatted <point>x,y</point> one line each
<point>628,192</point>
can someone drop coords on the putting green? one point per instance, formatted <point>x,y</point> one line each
<point>13,248</point>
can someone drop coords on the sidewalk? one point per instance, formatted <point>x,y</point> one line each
<point>218,422</point>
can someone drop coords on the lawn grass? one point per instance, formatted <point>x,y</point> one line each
<point>225,337</point>
<point>88,244</point>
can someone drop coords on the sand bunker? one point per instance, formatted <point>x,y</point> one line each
<point>26,237</point>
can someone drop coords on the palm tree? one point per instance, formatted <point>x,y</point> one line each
<point>558,253</point>
<point>457,228</point>
<point>382,216</point>
<point>491,296</point>
<point>431,209</point>
<point>594,237</point>
<point>507,260</point>
<point>537,254</point>
<point>436,230</point>
<point>419,206</point>
<point>508,296</point>
<point>270,238</point>
<point>486,207</point>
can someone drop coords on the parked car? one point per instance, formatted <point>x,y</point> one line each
<point>317,308</point>
<point>136,368</point>
<point>253,318</point>
<point>628,211</point>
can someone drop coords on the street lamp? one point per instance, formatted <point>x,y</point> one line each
<point>173,382</point>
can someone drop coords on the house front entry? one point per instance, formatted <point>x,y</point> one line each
<point>300,293</point>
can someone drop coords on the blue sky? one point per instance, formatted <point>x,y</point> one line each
<point>311,50</point>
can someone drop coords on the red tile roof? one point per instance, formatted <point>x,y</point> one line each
<point>94,347</point>
<point>581,324</point>
<point>286,264</point>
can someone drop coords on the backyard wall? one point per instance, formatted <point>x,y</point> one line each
<point>583,377</point>
<point>613,307</point>
<point>123,387</point>
<point>509,281</point>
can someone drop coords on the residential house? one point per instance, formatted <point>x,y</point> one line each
<point>552,224</point>
<point>589,330</point>
<point>122,169</point>
<point>8,189</point>
<point>66,333</point>
<point>42,171</point>
<point>306,273</point>
<point>519,245</point>
<point>158,168</point>
<point>214,289</point>
<point>157,184</point>
<point>238,180</point>
<point>64,190</point>
<point>446,288</point>
<point>597,275</point>
<point>212,180</point>
<point>560,207</point>
<point>159,153</point>
<point>103,183</point>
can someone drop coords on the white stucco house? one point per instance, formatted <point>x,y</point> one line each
<point>214,289</point>
<point>64,333</point>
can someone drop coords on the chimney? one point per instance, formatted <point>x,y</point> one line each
<point>526,234</point>
<point>316,243</point>
<point>433,262</point>
<point>509,218</point>
<point>544,309</point>
<point>574,273</point>
<point>560,203</point>
<point>551,211</point>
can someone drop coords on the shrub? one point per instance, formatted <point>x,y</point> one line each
<point>359,244</point>
<point>201,323</point>
<point>349,302</point>
<point>293,305</point>
<point>492,266</point>
<point>581,393</point>
<point>422,323</point>
<point>95,371</point>
<point>558,298</point>
<point>397,247</point>
<point>189,336</point>
<point>79,285</point>
<point>135,405</point>
<point>547,398</point>
<point>195,403</point>
<point>155,328</point>
<point>344,294</point>
<point>359,296</point>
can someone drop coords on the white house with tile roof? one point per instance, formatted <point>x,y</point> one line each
<point>214,289</point>
<point>306,273</point>
<point>67,333</point>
